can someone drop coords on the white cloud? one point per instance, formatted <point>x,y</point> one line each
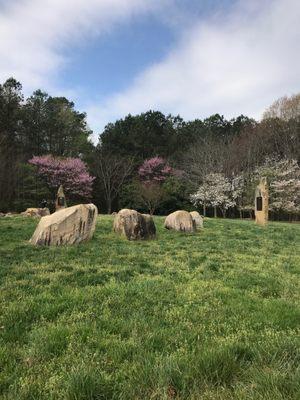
<point>33,33</point>
<point>231,64</point>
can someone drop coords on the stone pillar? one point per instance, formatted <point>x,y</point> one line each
<point>262,202</point>
<point>60,199</point>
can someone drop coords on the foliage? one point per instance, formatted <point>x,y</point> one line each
<point>37,126</point>
<point>284,182</point>
<point>150,195</point>
<point>142,136</point>
<point>31,189</point>
<point>285,108</point>
<point>152,174</point>
<point>217,191</point>
<point>172,195</point>
<point>213,315</point>
<point>176,195</point>
<point>50,125</point>
<point>10,115</point>
<point>72,173</point>
<point>154,169</point>
<point>45,125</point>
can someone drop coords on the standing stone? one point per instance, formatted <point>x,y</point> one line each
<point>262,202</point>
<point>181,221</point>
<point>198,220</point>
<point>133,225</point>
<point>66,226</point>
<point>60,199</point>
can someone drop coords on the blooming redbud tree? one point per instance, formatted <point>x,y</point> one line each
<point>152,174</point>
<point>72,173</point>
<point>155,169</point>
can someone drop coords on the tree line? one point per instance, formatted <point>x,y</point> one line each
<point>151,162</point>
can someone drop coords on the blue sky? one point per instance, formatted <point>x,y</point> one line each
<point>188,57</point>
<point>109,63</point>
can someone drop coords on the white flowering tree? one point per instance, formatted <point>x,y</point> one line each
<point>284,183</point>
<point>237,191</point>
<point>220,192</point>
<point>216,191</point>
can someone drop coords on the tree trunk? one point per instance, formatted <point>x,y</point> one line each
<point>108,203</point>
<point>215,212</point>
<point>204,210</point>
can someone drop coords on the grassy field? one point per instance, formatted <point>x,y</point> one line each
<point>214,315</point>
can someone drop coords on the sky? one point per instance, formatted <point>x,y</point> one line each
<point>194,58</point>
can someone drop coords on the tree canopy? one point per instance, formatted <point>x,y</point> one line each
<point>215,155</point>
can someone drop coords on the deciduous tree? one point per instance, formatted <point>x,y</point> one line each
<point>112,171</point>
<point>72,173</point>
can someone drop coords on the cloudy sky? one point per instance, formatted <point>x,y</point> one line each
<point>187,57</point>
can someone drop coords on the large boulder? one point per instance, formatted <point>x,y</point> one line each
<point>133,225</point>
<point>198,220</point>
<point>180,221</point>
<point>66,226</point>
<point>36,212</point>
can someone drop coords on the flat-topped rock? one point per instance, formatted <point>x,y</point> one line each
<point>134,225</point>
<point>181,221</point>
<point>198,220</point>
<point>67,226</point>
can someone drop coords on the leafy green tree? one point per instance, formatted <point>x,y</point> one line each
<point>51,125</point>
<point>34,124</point>
<point>142,136</point>
<point>10,120</point>
<point>30,189</point>
<point>66,129</point>
<point>40,125</point>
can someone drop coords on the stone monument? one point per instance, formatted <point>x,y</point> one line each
<point>262,202</point>
<point>60,199</point>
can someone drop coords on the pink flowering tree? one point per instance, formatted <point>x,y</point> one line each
<point>152,174</point>
<point>155,170</point>
<point>72,173</point>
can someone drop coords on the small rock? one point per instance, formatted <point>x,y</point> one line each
<point>36,212</point>
<point>198,220</point>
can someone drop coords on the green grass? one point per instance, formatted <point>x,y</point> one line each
<point>214,315</point>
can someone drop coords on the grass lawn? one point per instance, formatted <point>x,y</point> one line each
<point>214,315</point>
